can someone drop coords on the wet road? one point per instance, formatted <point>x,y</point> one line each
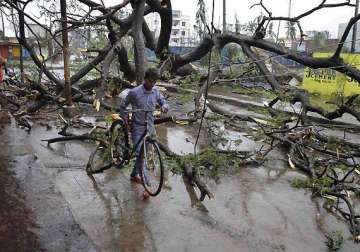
<point>255,209</point>
<point>34,215</point>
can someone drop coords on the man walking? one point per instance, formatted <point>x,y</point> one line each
<point>142,97</point>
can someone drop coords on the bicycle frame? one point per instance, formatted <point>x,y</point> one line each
<point>127,159</point>
<point>144,136</point>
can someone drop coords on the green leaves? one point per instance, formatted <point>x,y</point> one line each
<point>334,241</point>
<point>209,162</point>
<point>318,185</point>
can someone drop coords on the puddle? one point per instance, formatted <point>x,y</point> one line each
<point>181,139</point>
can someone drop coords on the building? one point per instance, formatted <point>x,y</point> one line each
<point>314,41</point>
<point>181,29</point>
<point>313,34</point>
<point>347,44</point>
<point>310,46</point>
<point>326,45</point>
<point>35,31</point>
<point>10,49</point>
<point>154,22</point>
<point>79,38</point>
<point>230,27</point>
<point>180,32</point>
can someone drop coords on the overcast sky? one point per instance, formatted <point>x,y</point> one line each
<point>322,20</point>
<point>327,19</point>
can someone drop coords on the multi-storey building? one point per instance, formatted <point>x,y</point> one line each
<point>313,33</point>
<point>180,32</point>
<point>348,40</point>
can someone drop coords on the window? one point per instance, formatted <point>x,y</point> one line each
<point>176,14</point>
<point>176,22</point>
<point>183,23</point>
<point>183,33</point>
<point>175,32</point>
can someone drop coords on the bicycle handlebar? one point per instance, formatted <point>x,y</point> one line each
<point>138,110</point>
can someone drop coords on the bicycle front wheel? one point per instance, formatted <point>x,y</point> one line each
<point>119,143</point>
<point>152,170</point>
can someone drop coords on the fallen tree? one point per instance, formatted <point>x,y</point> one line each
<point>300,138</point>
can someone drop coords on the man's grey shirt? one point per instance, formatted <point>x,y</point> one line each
<point>140,98</point>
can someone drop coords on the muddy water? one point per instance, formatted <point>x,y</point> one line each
<point>254,209</point>
<point>181,139</point>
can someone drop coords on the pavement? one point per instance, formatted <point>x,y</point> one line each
<point>34,214</point>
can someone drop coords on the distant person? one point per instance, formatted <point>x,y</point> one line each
<point>142,97</point>
<point>2,71</point>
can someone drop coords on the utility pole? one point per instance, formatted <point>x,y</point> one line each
<point>3,24</point>
<point>224,16</point>
<point>354,34</point>
<point>22,36</point>
<point>278,31</point>
<point>289,15</point>
<point>50,43</point>
<point>65,40</point>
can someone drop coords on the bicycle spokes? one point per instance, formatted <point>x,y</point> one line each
<point>118,143</point>
<point>152,169</point>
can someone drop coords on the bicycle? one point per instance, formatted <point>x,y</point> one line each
<point>152,170</point>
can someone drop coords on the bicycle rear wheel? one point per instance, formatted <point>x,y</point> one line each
<point>119,143</point>
<point>98,161</point>
<point>152,170</point>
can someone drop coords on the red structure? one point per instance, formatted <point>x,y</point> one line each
<point>4,50</point>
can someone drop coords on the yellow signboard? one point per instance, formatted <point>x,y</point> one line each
<point>16,51</point>
<point>327,81</point>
